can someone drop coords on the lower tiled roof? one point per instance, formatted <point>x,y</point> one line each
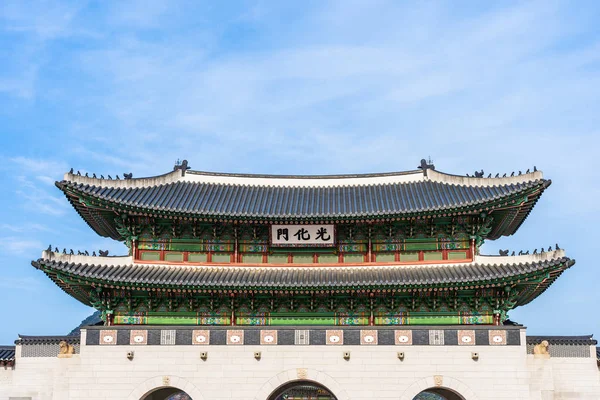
<point>586,340</point>
<point>23,339</point>
<point>7,354</point>
<point>292,277</point>
<point>535,273</point>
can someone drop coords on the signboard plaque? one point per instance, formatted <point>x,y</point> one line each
<point>322,235</point>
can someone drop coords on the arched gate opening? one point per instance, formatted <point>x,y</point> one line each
<point>301,390</point>
<point>438,394</point>
<point>167,393</point>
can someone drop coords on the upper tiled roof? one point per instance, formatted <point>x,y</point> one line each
<point>269,197</point>
<point>123,272</point>
<point>7,354</point>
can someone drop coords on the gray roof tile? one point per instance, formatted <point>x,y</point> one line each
<point>201,198</point>
<point>298,276</point>
<point>586,340</point>
<point>7,354</point>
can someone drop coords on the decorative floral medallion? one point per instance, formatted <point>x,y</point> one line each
<point>268,337</point>
<point>334,337</point>
<point>201,337</point>
<point>108,337</point>
<point>138,337</point>
<point>368,337</point>
<point>301,373</point>
<point>466,338</point>
<point>235,337</point>
<point>498,338</point>
<point>403,337</point>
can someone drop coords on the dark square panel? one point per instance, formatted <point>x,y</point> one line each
<point>451,337</point>
<point>183,337</point>
<point>351,337</point>
<point>386,338</point>
<point>92,338</point>
<point>513,337</point>
<point>123,337</point>
<point>420,337</point>
<point>482,337</point>
<point>317,337</point>
<point>286,337</point>
<point>252,337</point>
<point>154,337</point>
<point>218,337</point>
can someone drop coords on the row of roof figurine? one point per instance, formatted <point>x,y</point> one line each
<point>104,253</point>
<point>125,175</point>
<point>101,253</point>
<point>481,173</point>
<point>521,252</point>
<point>182,165</point>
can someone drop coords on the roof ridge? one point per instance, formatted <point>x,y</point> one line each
<point>276,180</point>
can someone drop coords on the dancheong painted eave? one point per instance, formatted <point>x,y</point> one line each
<point>273,198</point>
<point>532,274</point>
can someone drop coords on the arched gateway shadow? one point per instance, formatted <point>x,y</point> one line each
<point>438,394</point>
<point>302,389</point>
<point>167,393</point>
<point>301,379</point>
<point>166,385</point>
<point>439,388</point>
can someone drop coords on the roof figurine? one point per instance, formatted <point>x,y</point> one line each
<point>425,165</point>
<point>182,166</point>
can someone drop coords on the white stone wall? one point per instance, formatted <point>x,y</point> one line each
<point>232,372</point>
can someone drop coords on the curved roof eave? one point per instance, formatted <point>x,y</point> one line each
<point>122,271</point>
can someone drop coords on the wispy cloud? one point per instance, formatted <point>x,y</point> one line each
<point>489,71</point>
<point>26,227</point>
<point>46,20</point>
<point>39,200</point>
<point>45,170</point>
<point>19,246</point>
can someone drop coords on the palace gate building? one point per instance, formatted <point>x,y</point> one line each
<point>275,287</point>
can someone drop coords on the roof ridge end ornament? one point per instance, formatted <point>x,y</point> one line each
<point>425,165</point>
<point>181,165</point>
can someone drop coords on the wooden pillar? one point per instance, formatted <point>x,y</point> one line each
<point>232,309</point>
<point>235,245</point>
<point>371,317</point>
<point>370,247</point>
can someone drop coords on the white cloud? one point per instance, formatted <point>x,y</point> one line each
<point>39,165</point>
<point>26,227</point>
<point>18,246</point>
<point>46,19</point>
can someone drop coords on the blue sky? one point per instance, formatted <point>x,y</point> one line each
<point>296,87</point>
